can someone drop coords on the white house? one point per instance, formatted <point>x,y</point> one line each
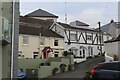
<point>112,45</point>
<point>81,39</point>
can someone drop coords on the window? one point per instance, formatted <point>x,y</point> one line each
<point>80,53</point>
<point>5,28</point>
<point>35,55</point>
<point>83,53</point>
<point>89,37</point>
<point>25,39</point>
<point>56,54</point>
<point>42,41</point>
<point>73,37</point>
<point>55,42</point>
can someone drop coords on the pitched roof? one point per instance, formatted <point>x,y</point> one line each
<point>41,13</point>
<point>105,27</point>
<point>28,30</point>
<point>113,40</point>
<point>67,26</point>
<point>79,23</point>
<point>35,22</point>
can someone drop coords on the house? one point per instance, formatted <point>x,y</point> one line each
<point>36,40</point>
<point>9,39</point>
<point>81,39</point>
<point>42,14</point>
<point>112,45</point>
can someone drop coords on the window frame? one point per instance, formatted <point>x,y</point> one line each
<point>41,40</point>
<point>23,38</point>
<point>73,39</point>
<point>56,41</point>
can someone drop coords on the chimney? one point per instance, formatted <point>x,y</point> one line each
<point>112,21</point>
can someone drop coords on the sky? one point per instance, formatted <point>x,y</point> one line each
<point>87,12</point>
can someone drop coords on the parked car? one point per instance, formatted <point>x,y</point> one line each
<point>21,75</point>
<point>106,71</point>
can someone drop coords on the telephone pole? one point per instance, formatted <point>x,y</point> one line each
<point>100,37</point>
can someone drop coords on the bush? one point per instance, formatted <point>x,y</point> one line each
<point>65,53</point>
<point>42,64</point>
<point>62,67</point>
<point>55,71</point>
<point>88,76</point>
<point>115,58</point>
<point>47,64</point>
<point>70,67</point>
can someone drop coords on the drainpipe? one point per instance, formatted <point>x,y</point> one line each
<point>12,55</point>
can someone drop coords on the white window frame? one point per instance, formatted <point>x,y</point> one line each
<point>24,38</point>
<point>42,41</point>
<point>57,42</point>
<point>73,39</point>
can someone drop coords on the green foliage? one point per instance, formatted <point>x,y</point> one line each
<point>88,75</point>
<point>66,53</point>
<point>54,71</point>
<point>70,67</point>
<point>62,67</point>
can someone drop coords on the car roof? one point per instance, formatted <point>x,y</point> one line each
<point>110,62</point>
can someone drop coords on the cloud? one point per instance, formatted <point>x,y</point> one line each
<point>92,16</point>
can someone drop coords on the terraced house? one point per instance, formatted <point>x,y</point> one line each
<point>9,29</point>
<point>81,39</point>
<point>36,40</point>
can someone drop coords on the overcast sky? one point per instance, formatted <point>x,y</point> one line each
<point>88,12</point>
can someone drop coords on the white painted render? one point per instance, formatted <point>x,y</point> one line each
<point>65,33</point>
<point>34,44</point>
<point>111,48</point>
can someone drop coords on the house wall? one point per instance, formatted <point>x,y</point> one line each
<point>60,30</point>
<point>46,18</point>
<point>111,49</point>
<point>6,49</point>
<point>34,42</point>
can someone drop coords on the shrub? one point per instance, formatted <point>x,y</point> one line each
<point>88,76</point>
<point>42,64</point>
<point>65,53</point>
<point>70,67</point>
<point>47,64</point>
<point>62,67</point>
<point>115,58</point>
<point>54,71</point>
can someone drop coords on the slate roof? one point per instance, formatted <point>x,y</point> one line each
<point>113,40</point>
<point>35,22</point>
<point>41,13</point>
<point>28,30</point>
<point>67,26</point>
<point>105,27</point>
<point>79,23</point>
<point>32,26</point>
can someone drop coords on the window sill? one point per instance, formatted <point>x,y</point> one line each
<point>25,44</point>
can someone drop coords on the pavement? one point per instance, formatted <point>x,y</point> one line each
<point>80,69</point>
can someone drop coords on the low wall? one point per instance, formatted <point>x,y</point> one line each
<point>44,71</point>
<point>29,63</point>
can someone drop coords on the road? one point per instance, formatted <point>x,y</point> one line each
<point>80,69</point>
